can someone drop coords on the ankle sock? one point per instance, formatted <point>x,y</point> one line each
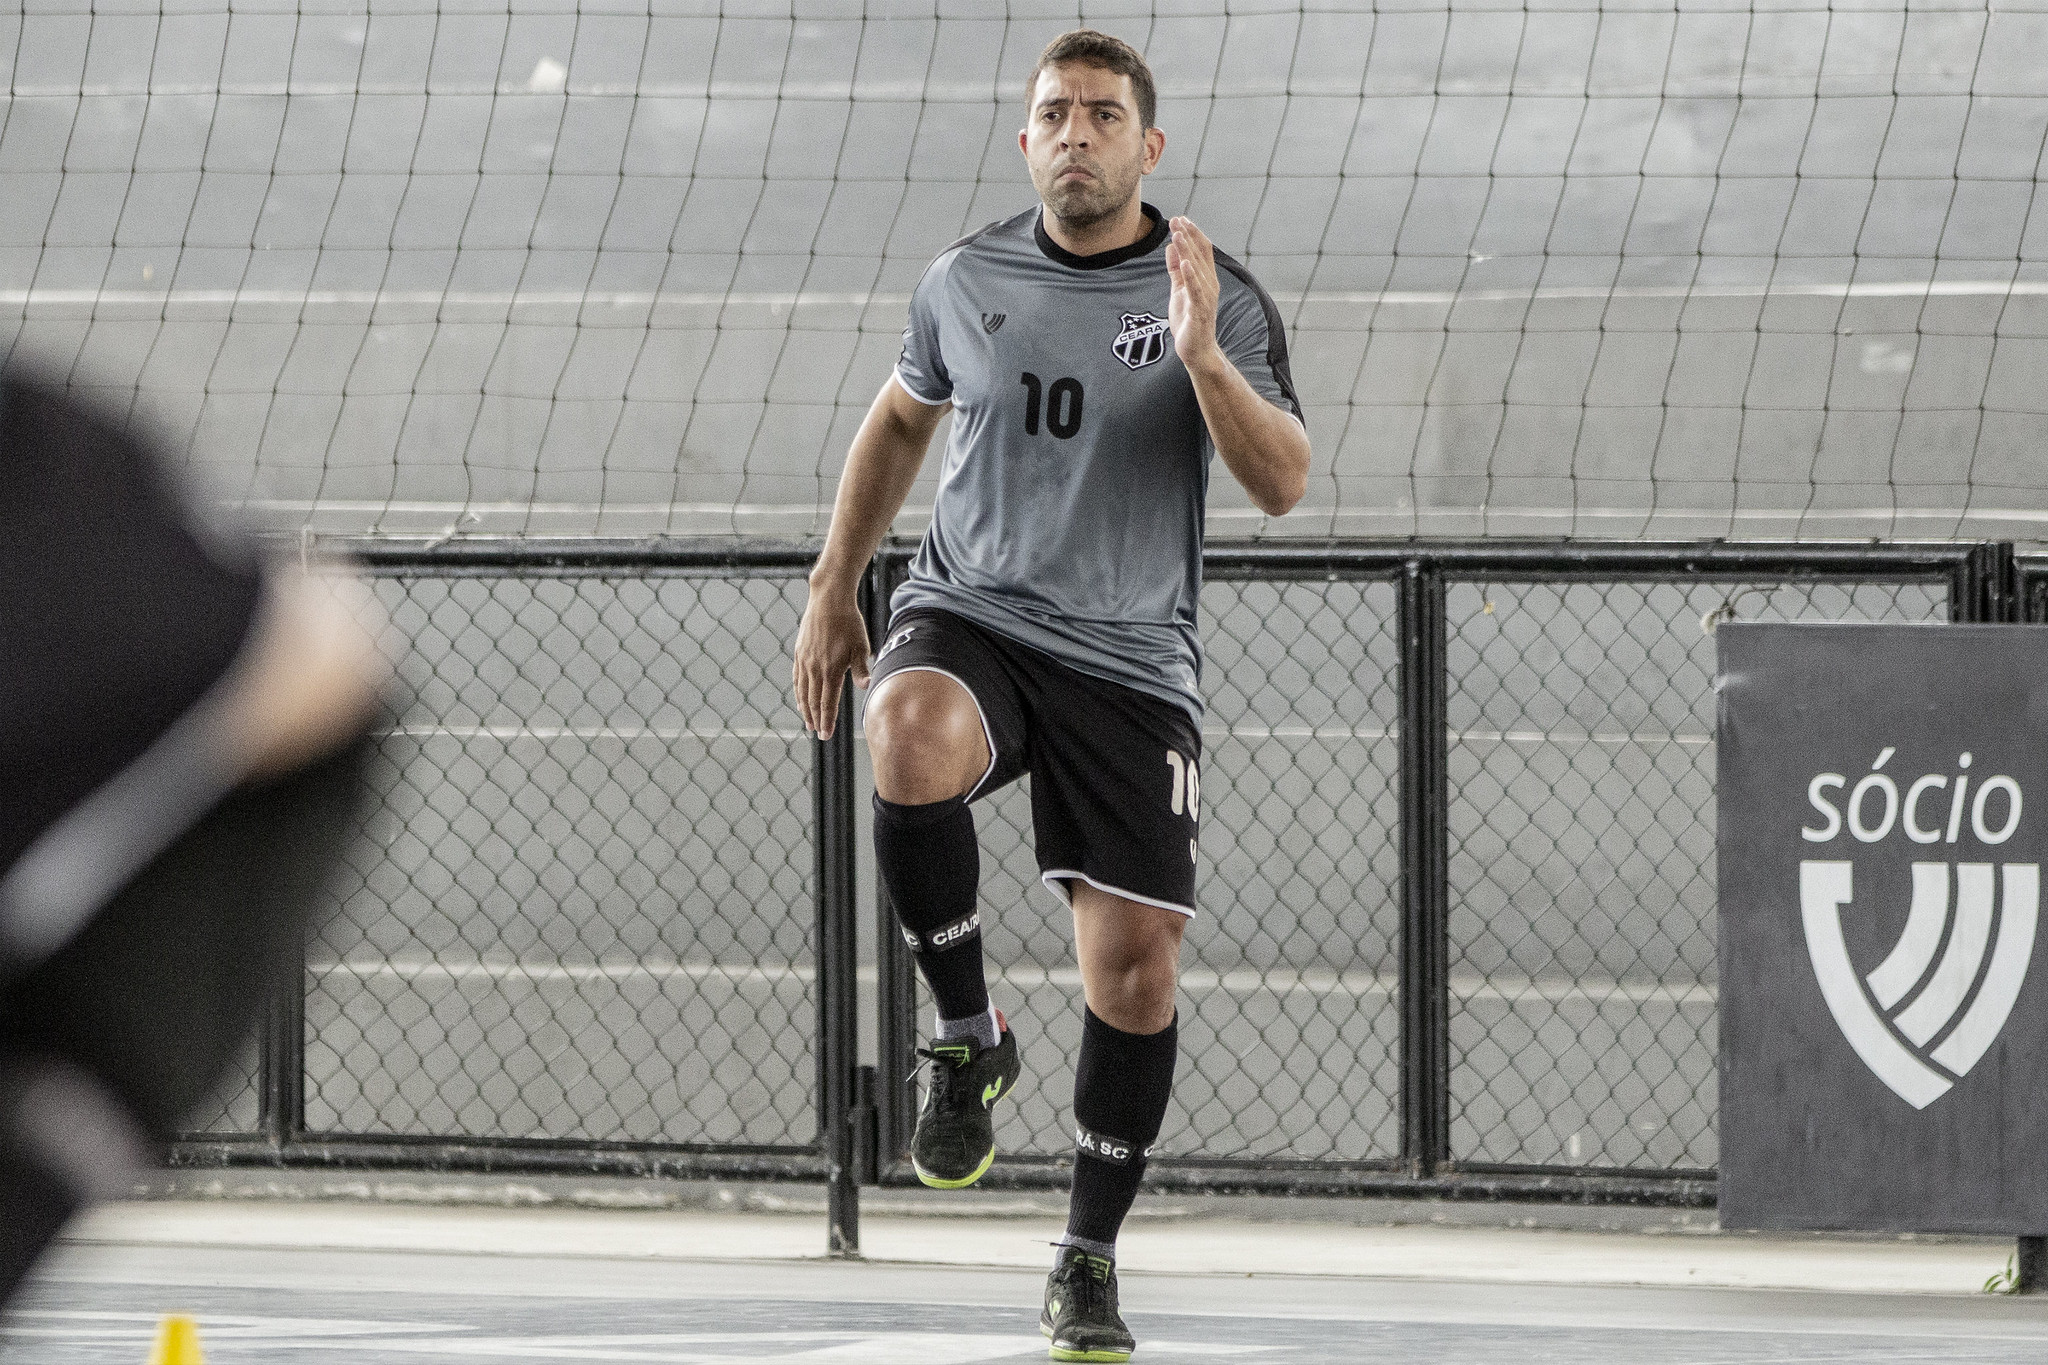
<point>929,863</point>
<point>985,1028</point>
<point>1121,1086</point>
<point>1106,1250</point>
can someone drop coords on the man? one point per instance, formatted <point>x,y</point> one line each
<point>181,736</point>
<point>1094,357</point>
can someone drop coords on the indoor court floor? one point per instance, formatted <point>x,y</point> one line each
<point>98,1303</point>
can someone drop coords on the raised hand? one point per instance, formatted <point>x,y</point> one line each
<point>1191,266</point>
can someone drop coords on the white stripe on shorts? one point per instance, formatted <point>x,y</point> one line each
<point>987,734</point>
<point>1062,874</point>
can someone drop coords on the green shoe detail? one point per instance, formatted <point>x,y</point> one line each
<point>941,1183</point>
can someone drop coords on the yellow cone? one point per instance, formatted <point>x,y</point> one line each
<point>177,1343</point>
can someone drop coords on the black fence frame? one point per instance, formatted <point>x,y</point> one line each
<point>865,1112</point>
<point>282,1139</point>
<point>2030,588</point>
<point>1982,587</point>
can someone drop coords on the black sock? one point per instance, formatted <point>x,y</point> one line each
<point>1121,1085</point>
<point>929,863</point>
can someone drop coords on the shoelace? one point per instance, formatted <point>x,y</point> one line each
<point>1085,1290</point>
<point>944,1072</point>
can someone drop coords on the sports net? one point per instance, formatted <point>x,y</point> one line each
<point>1663,267</point>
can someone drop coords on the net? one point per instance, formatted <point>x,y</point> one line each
<point>1659,267</point>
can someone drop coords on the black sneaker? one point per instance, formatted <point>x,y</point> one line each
<point>1080,1309</point>
<point>955,1142</point>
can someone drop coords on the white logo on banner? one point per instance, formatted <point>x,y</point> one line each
<point>1921,1024</point>
<point>1825,887</point>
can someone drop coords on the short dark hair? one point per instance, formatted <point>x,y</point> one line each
<point>1100,50</point>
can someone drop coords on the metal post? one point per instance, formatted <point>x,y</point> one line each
<point>867,1149</point>
<point>2031,1266</point>
<point>281,1093</point>
<point>895,1037</point>
<point>838,979</point>
<point>2004,574</point>
<point>1425,1008</point>
<point>1989,591</point>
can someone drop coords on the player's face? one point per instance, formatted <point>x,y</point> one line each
<point>1085,144</point>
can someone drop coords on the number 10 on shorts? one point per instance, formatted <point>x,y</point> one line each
<point>1187,790</point>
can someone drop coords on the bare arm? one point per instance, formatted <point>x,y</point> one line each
<point>310,676</point>
<point>1264,447</point>
<point>880,468</point>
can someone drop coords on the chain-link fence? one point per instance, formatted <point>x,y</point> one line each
<point>582,914</point>
<point>1572,987</point>
<point>1289,1012</point>
<point>585,914</point>
<point>1456,911</point>
<point>1582,891</point>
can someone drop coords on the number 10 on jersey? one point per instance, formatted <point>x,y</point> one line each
<point>1061,404</point>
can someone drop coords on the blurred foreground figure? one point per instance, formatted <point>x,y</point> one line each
<point>182,732</point>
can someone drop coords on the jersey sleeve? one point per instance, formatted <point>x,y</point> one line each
<point>921,369</point>
<point>1251,333</point>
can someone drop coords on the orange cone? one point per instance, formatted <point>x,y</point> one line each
<point>177,1343</point>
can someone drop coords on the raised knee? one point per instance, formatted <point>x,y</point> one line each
<point>926,746</point>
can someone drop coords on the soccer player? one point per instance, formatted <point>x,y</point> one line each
<point>1094,356</point>
<point>181,738</point>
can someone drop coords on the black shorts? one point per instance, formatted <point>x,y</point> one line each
<point>1115,778</point>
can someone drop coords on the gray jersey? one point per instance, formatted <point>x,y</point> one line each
<point>1070,503</point>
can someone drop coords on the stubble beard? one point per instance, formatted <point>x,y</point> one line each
<point>1082,206</point>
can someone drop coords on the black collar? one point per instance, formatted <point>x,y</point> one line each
<point>1102,260</point>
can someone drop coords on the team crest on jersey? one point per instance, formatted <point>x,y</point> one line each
<point>1143,340</point>
<point>992,322</point>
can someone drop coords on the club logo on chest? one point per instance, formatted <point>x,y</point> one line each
<point>1142,341</point>
<point>992,322</point>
